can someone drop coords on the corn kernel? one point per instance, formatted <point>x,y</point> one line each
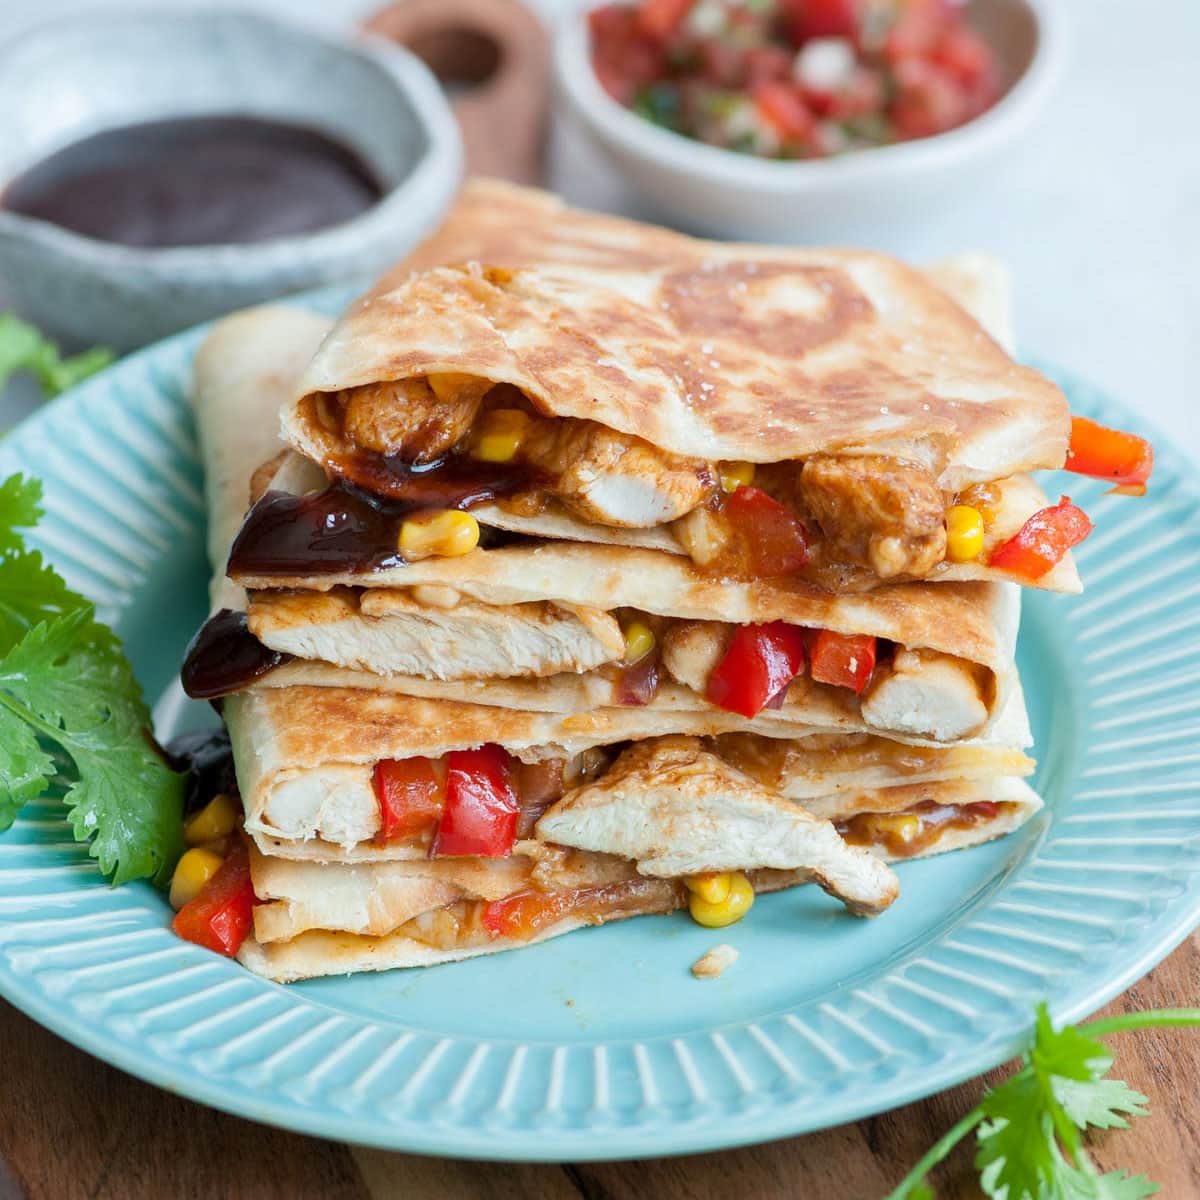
<point>639,641</point>
<point>964,533</point>
<point>725,912</point>
<point>192,872</point>
<point>449,385</point>
<point>500,434</point>
<point>446,533</point>
<point>735,475</point>
<point>216,819</point>
<point>902,827</point>
<point>713,887</point>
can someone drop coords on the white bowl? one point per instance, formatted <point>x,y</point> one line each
<point>722,192</point>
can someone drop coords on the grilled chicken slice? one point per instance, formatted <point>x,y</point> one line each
<point>678,809</point>
<point>883,513</point>
<point>415,419</point>
<point>390,633</point>
<point>691,651</point>
<point>614,478</point>
<point>927,694</point>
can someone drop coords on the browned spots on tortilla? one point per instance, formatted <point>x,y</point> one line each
<point>716,300</point>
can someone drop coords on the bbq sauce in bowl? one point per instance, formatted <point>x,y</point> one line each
<point>197,181</point>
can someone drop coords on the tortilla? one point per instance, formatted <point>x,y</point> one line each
<point>305,755</point>
<point>610,321</point>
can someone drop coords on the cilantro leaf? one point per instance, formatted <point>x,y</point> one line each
<point>23,348</point>
<point>1015,1158</point>
<point>20,508</point>
<point>31,591</point>
<point>1099,1104</point>
<point>25,767</point>
<point>67,680</point>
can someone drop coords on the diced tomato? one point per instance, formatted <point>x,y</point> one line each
<point>764,63</point>
<point>219,918</point>
<point>660,18</point>
<point>1123,458</point>
<point>781,104</point>
<point>861,97</point>
<point>410,797</point>
<point>928,100</point>
<point>767,539</point>
<point>759,664</point>
<point>964,54</point>
<point>917,29</point>
<point>821,18</point>
<point>1042,541</point>
<point>842,659</point>
<point>480,814</point>
<point>625,59</point>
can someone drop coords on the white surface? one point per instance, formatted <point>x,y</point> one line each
<point>1098,212</point>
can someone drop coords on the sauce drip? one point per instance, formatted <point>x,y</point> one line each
<point>197,181</point>
<point>452,481</point>
<point>225,657</point>
<point>206,758</point>
<point>344,530</point>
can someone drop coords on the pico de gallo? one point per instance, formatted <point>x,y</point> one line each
<point>795,79</point>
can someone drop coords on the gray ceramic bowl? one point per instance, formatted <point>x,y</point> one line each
<point>97,70</point>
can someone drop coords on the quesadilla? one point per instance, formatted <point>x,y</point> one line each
<point>549,624</point>
<point>761,411</point>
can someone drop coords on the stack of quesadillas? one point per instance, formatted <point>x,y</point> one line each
<point>602,571</point>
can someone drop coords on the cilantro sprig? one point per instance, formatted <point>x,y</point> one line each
<point>23,348</point>
<point>71,711</point>
<point>1029,1129</point>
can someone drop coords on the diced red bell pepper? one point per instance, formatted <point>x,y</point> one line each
<point>769,539</point>
<point>1123,458</point>
<point>480,814</point>
<point>760,662</point>
<point>410,797</point>
<point>220,917</point>
<point>782,105</point>
<point>660,18</point>
<point>523,914</point>
<point>842,659</point>
<point>1042,541</point>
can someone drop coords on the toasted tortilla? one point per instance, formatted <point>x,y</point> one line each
<point>237,388</point>
<point>621,323</point>
<point>305,755</point>
<point>320,915</point>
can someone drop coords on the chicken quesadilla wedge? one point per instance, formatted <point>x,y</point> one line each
<point>572,626</point>
<point>831,414</point>
<point>817,416</point>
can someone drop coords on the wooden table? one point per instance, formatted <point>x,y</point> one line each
<point>72,1127</point>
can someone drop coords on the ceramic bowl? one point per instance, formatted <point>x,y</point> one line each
<point>98,70</point>
<point>724,193</point>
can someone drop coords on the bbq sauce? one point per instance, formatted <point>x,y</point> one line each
<point>197,181</point>
<point>344,530</point>
<point>206,760</point>
<point>225,657</point>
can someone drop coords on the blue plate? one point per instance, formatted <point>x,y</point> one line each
<point>601,1045</point>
